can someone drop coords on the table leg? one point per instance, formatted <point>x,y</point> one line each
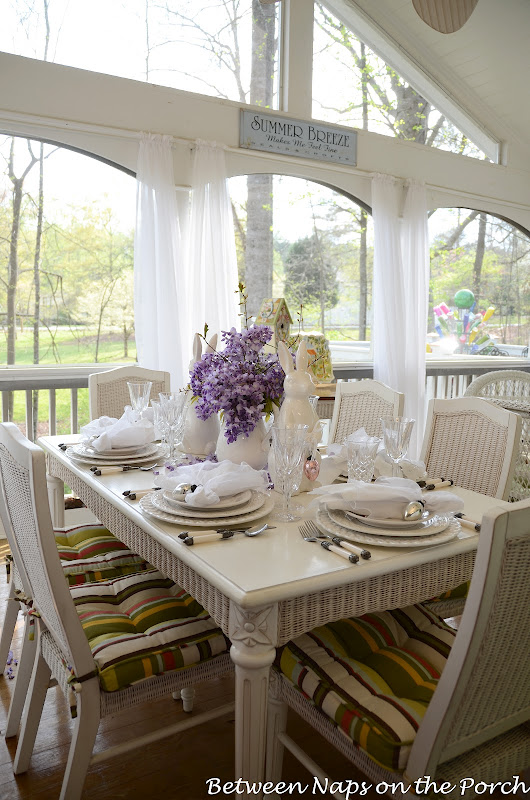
<point>56,500</point>
<point>253,634</point>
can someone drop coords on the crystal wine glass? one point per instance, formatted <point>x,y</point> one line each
<point>289,446</point>
<point>396,438</point>
<point>173,410</point>
<point>139,394</point>
<point>159,422</point>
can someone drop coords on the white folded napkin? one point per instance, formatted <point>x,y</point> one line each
<point>415,470</point>
<point>107,433</point>
<point>214,481</point>
<point>442,502</point>
<point>338,453</point>
<point>386,498</point>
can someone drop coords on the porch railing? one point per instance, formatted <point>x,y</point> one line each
<point>444,379</point>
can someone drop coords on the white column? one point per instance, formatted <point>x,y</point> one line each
<point>253,636</point>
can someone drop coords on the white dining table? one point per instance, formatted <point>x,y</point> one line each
<point>265,590</point>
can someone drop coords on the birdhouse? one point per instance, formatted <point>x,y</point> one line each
<point>320,365</point>
<point>275,314</point>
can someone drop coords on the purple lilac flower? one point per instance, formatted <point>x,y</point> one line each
<point>242,381</point>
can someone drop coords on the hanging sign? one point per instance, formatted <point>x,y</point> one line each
<point>294,137</point>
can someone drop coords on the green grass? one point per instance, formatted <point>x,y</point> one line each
<point>62,407</point>
<point>72,346</point>
<point>77,347</point>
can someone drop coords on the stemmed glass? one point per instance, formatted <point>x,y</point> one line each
<point>396,438</point>
<point>173,410</point>
<point>139,394</point>
<point>160,425</point>
<point>289,445</point>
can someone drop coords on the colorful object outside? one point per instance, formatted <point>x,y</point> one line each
<point>320,365</point>
<point>462,324</point>
<point>275,313</point>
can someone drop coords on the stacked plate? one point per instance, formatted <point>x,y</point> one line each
<point>431,529</point>
<point>238,509</point>
<point>136,454</point>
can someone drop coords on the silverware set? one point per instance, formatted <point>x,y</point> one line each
<point>335,544</point>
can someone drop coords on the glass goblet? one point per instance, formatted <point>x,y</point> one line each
<point>173,410</point>
<point>289,446</point>
<point>139,394</point>
<point>160,426</point>
<point>396,438</point>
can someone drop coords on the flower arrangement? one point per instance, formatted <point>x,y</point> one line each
<point>242,382</point>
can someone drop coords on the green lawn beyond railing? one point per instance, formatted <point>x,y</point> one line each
<point>73,346</point>
<point>69,345</point>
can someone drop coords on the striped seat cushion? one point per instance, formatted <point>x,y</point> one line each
<point>144,625</point>
<point>93,549</point>
<point>373,676</point>
<point>93,576</point>
<point>460,592</point>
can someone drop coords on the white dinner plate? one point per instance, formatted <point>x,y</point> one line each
<point>436,524</point>
<point>119,451</point>
<point>85,451</point>
<point>256,500</point>
<point>151,456</point>
<point>390,524</point>
<point>226,502</point>
<point>148,507</point>
<point>439,533</point>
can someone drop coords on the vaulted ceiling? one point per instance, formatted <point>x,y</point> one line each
<point>483,68</point>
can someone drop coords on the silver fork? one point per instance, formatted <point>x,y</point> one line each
<point>306,534</point>
<point>312,533</point>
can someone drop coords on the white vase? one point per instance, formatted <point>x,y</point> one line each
<point>252,449</point>
<point>200,435</point>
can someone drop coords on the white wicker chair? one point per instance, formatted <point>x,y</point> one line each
<point>475,444</point>
<point>361,404</point>
<point>477,721</point>
<point>108,393</point>
<point>62,647</point>
<point>510,389</point>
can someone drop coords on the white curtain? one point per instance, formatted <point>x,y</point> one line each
<point>211,259</point>
<point>400,293</point>
<point>160,305</point>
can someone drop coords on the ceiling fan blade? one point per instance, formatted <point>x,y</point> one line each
<point>445,16</point>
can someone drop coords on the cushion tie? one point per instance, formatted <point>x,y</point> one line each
<point>75,687</point>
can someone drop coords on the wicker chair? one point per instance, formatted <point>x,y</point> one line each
<point>108,393</point>
<point>473,443</point>
<point>362,404</point>
<point>80,629</point>
<point>89,553</point>
<point>510,389</point>
<point>475,718</point>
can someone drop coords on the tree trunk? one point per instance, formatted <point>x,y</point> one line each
<point>363,277</point>
<point>259,241</point>
<point>259,246</point>
<point>36,284</point>
<point>363,250</point>
<point>479,257</point>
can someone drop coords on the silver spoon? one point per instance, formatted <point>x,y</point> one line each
<point>221,534</point>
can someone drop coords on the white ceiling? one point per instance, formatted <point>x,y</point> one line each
<point>483,69</point>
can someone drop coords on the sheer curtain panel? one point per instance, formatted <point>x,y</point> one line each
<point>212,264</point>
<point>400,292</point>
<point>163,337</point>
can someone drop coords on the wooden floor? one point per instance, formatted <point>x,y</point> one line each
<point>176,767</point>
